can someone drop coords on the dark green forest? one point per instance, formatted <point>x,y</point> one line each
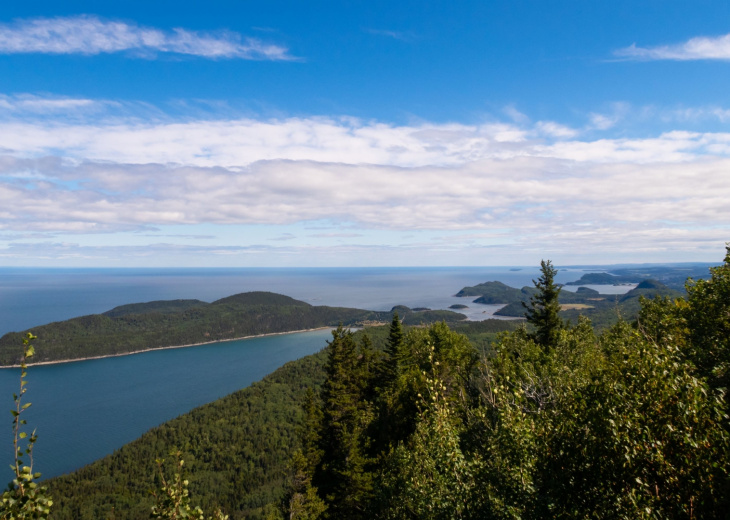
<point>142,326</point>
<point>544,418</point>
<point>558,422</point>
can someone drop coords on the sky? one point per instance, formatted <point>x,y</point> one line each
<point>363,133</point>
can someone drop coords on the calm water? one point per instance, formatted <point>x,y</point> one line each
<point>31,297</point>
<point>85,410</point>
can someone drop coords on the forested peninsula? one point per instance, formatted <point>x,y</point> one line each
<point>145,326</point>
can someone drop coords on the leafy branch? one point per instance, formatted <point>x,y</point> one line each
<point>24,498</point>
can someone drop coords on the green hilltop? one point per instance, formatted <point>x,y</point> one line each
<point>142,326</point>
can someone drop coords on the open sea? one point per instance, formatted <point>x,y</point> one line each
<point>87,409</point>
<point>36,296</point>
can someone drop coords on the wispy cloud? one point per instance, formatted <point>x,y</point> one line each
<point>553,129</point>
<point>90,35</point>
<point>37,104</point>
<point>238,143</point>
<point>405,36</point>
<point>699,48</point>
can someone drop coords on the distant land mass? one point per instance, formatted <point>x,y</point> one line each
<point>138,327</point>
<point>672,276</point>
<point>602,309</point>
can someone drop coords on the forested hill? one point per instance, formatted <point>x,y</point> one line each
<point>143,326</point>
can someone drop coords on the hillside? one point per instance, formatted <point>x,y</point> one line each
<point>143,326</point>
<point>235,449</point>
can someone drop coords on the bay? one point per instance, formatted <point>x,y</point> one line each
<point>86,409</point>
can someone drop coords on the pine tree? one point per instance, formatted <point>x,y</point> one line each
<point>391,365</point>
<point>544,308</point>
<point>341,476</point>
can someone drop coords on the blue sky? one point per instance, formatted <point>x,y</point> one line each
<point>287,133</point>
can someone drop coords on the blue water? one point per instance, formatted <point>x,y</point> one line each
<point>32,296</point>
<point>85,410</point>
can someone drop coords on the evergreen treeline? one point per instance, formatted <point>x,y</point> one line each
<point>559,423</point>
<point>143,326</point>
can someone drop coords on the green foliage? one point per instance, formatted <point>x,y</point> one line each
<point>392,362</point>
<point>645,409</point>
<point>429,476</point>
<point>341,474</point>
<point>544,308</point>
<point>172,502</point>
<point>24,498</point>
<point>629,424</point>
<point>302,501</point>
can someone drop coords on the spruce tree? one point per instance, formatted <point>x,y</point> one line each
<point>391,364</point>
<point>341,476</point>
<point>543,312</point>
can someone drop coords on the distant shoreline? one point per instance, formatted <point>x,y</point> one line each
<point>59,361</point>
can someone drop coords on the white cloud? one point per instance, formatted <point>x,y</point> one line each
<point>525,195</point>
<point>31,104</point>
<point>238,143</point>
<point>89,35</point>
<point>553,129</point>
<point>480,185</point>
<point>602,121</point>
<point>700,48</point>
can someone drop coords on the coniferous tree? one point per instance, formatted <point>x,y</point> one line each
<point>391,364</point>
<point>544,309</point>
<point>342,476</point>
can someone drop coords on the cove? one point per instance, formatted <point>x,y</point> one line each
<point>85,410</point>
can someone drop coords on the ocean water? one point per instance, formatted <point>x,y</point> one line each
<point>85,410</point>
<point>32,296</point>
